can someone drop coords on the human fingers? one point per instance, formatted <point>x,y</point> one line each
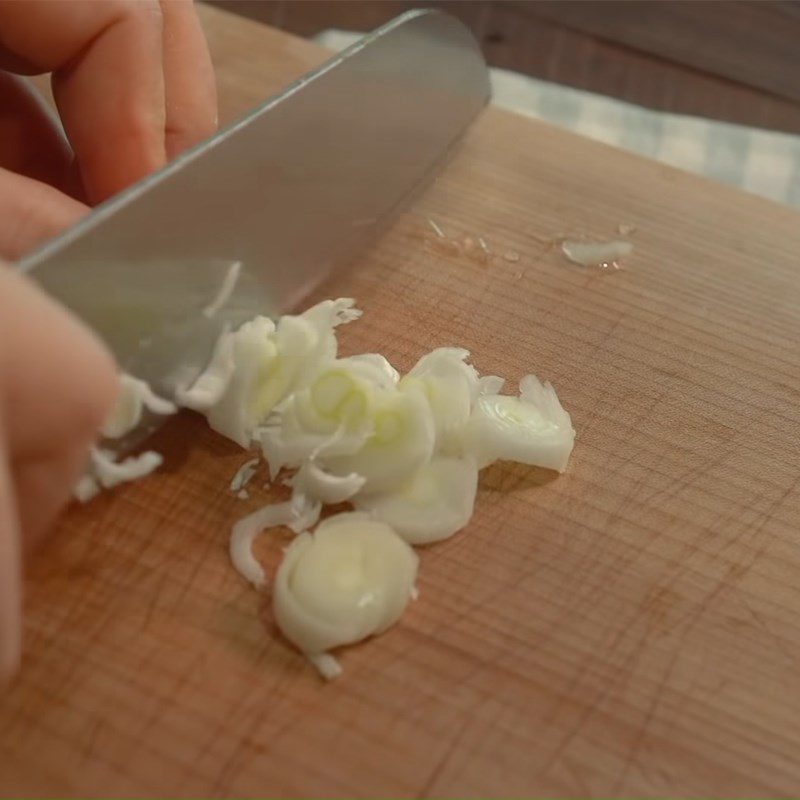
<point>31,143</point>
<point>190,86</point>
<point>57,380</point>
<point>108,81</point>
<point>57,383</point>
<point>32,212</point>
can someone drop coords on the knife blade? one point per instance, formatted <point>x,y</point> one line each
<point>297,186</point>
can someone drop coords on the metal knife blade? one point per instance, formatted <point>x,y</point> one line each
<point>299,185</point>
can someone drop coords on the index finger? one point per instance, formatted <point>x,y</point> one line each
<point>108,81</point>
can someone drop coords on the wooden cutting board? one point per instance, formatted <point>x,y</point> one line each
<point>630,628</point>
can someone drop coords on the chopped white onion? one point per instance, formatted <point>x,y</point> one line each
<point>385,375</point>
<point>332,416</point>
<point>349,580</point>
<point>103,472</point>
<point>436,503</point>
<point>292,450</point>
<point>329,314</point>
<point>450,385</point>
<point>254,352</point>
<point>405,452</point>
<point>248,528</point>
<point>312,480</point>
<point>244,474</point>
<point>212,384</point>
<point>327,666</point>
<point>110,473</point>
<point>530,429</point>
<point>305,512</point>
<point>402,440</point>
<point>490,384</point>
<point>86,488</point>
<point>271,362</point>
<point>133,396</point>
<point>596,254</point>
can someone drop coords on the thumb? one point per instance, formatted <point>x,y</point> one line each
<point>32,212</point>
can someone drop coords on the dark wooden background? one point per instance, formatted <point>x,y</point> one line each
<point>735,61</point>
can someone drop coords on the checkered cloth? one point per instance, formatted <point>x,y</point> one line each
<point>759,161</point>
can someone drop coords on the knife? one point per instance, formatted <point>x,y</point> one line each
<point>301,184</point>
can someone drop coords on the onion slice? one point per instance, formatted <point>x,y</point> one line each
<point>531,429</point>
<point>212,384</point>
<point>349,580</point>
<point>244,475</point>
<point>450,384</point>
<point>402,440</point>
<point>437,502</point>
<point>246,530</point>
<point>313,481</point>
<point>103,472</point>
<point>254,351</point>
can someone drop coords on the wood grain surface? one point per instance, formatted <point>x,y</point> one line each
<point>629,628</point>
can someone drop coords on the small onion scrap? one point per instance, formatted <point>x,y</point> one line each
<point>434,504</point>
<point>133,397</point>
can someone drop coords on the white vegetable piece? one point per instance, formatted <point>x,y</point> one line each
<point>384,374</point>
<point>208,389</point>
<point>405,452</point>
<point>312,481</point>
<point>248,528</point>
<point>330,416</point>
<point>254,352</point>
<point>436,503</point>
<point>133,396</point>
<point>402,440</point>
<point>530,429</point>
<point>326,665</point>
<point>86,488</point>
<point>244,475</point>
<point>349,580</point>
<point>273,361</point>
<point>450,385</point>
<point>111,473</point>
<point>596,254</point>
<point>305,344</point>
<point>103,472</point>
<point>490,384</point>
<point>340,396</point>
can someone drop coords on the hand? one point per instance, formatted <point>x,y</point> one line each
<point>57,383</point>
<point>134,85</point>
